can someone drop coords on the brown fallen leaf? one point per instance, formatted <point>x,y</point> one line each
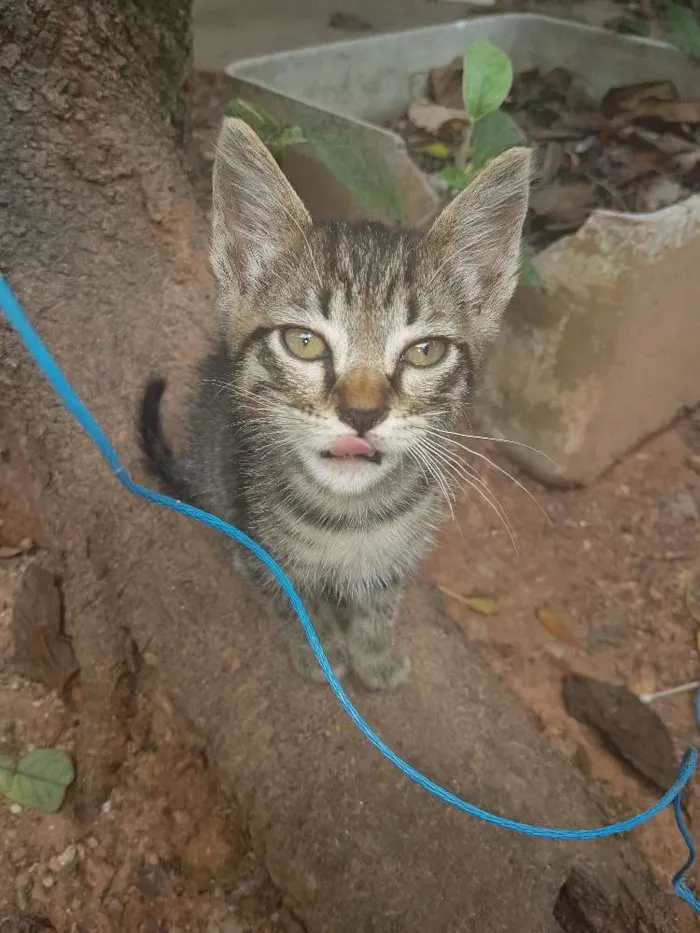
<point>680,111</point>
<point>631,97</point>
<point>430,117</point>
<point>629,728</point>
<point>657,193</point>
<point>42,652</point>
<point>483,604</point>
<point>687,161</point>
<point>557,625</point>
<point>552,161</point>
<point>561,202</point>
<point>445,84</point>
<point>8,552</point>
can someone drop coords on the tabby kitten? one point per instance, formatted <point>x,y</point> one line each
<point>343,350</point>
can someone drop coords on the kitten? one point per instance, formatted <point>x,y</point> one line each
<point>344,349</point>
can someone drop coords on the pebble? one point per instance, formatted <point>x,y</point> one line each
<point>48,882</point>
<point>18,855</point>
<point>67,856</point>
<point>684,506</point>
<point>15,809</point>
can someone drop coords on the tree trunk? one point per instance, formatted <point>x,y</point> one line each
<point>105,246</point>
<point>98,222</point>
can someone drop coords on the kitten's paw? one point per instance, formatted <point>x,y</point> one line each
<point>307,667</point>
<point>383,671</point>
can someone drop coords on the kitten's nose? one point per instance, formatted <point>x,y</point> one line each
<point>362,398</point>
<point>363,419</point>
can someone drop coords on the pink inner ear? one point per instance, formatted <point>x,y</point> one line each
<point>349,446</point>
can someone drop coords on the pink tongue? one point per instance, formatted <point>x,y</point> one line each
<point>349,446</point>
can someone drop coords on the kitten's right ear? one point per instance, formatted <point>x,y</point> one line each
<point>256,212</point>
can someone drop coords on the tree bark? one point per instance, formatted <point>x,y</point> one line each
<point>98,221</point>
<point>105,246</point>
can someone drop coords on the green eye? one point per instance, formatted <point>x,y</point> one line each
<point>426,352</point>
<point>304,343</point>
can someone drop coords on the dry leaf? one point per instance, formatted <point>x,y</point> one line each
<point>659,192</point>
<point>483,604</point>
<point>629,728</point>
<point>42,652</point>
<point>630,98</point>
<point>433,117</point>
<point>563,203</point>
<point>437,150</point>
<point>680,111</point>
<point>10,551</point>
<point>558,626</point>
<point>445,84</point>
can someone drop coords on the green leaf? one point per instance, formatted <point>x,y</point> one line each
<point>486,80</point>
<point>366,176</point>
<point>39,779</point>
<point>290,136</point>
<point>529,274</point>
<point>455,177</point>
<point>492,135</point>
<point>437,150</point>
<point>683,28</point>
<point>256,117</point>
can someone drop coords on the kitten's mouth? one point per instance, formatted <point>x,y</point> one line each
<point>352,448</point>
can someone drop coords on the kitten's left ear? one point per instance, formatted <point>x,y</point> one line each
<point>256,213</point>
<point>475,242</point>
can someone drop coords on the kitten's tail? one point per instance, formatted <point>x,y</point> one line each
<point>160,459</point>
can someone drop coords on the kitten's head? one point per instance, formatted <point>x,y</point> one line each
<point>356,343</point>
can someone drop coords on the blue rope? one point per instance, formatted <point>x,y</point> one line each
<point>75,406</point>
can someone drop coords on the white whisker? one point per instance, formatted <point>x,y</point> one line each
<point>496,467</point>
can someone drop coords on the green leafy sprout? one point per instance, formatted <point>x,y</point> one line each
<point>275,136</point>
<point>38,779</point>
<point>678,22</point>
<point>487,77</point>
<point>683,28</point>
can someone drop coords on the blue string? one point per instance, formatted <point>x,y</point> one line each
<point>75,406</point>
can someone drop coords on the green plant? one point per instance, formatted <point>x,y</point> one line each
<point>38,779</point>
<point>683,28</point>
<point>678,22</point>
<point>275,136</point>
<point>365,177</point>
<point>487,77</point>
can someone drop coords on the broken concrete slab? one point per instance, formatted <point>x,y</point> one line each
<point>608,353</point>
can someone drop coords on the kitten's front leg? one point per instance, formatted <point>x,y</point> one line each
<point>371,641</point>
<point>326,624</point>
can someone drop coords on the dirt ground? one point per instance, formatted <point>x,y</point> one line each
<point>165,854</point>
<point>619,563</point>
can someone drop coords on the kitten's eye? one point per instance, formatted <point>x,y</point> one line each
<point>304,343</point>
<point>426,353</point>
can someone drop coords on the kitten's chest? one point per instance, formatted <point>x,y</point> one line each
<point>353,559</point>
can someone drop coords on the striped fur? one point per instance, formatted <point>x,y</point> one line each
<point>350,531</point>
